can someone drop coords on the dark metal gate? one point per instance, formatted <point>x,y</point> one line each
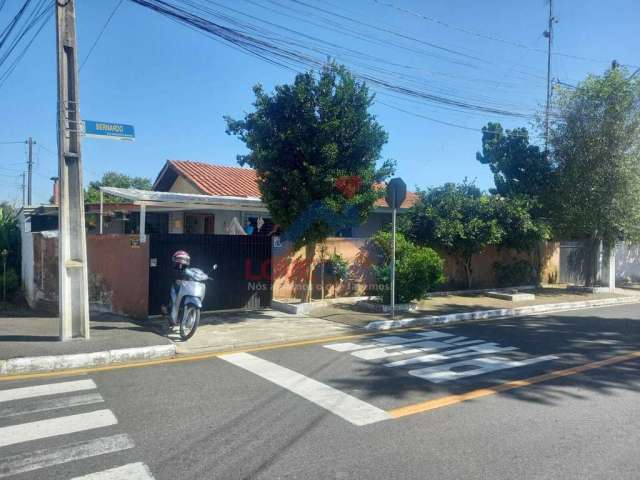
<point>243,277</point>
<point>574,257</point>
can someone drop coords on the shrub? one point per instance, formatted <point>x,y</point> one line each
<point>336,266</point>
<point>419,270</point>
<point>514,274</point>
<point>12,283</point>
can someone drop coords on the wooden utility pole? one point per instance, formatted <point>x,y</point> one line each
<point>549,35</point>
<point>72,249</point>
<point>30,142</point>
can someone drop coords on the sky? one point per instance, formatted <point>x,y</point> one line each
<point>175,84</point>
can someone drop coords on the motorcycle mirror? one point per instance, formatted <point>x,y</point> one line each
<point>215,267</point>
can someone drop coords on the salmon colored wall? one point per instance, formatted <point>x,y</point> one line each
<point>118,273</point>
<point>289,268</point>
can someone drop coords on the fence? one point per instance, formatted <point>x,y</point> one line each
<point>243,277</point>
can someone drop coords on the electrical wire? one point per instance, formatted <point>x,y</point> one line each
<point>283,51</point>
<point>104,27</point>
<point>487,36</point>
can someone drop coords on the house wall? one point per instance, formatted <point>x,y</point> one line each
<point>289,268</point>
<point>627,262</point>
<point>118,273</point>
<point>26,246</point>
<point>183,186</point>
<point>375,222</point>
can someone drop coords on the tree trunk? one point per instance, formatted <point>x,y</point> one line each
<point>592,262</point>
<point>310,252</point>
<point>468,271</point>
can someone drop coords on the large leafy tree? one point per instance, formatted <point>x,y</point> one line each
<point>114,179</point>
<point>595,140</point>
<point>519,168</point>
<point>315,147</point>
<point>456,218</point>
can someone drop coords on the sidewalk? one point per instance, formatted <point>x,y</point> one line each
<point>440,306</point>
<point>245,329</point>
<point>29,342</point>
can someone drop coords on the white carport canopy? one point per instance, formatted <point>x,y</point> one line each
<point>168,201</point>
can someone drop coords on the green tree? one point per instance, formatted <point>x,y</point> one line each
<point>456,218</point>
<point>10,242</point>
<point>595,142</point>
<point>303,139</point>
<point>114,179</point>
<point>518,167</point>
<point>522,229</point>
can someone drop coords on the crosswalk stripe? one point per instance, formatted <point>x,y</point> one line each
<point>132,471</point>
<point>49,389</point>
<point>52,427</point>
<point>30,461</point>
<point>339,403</point>
<point>48,404</point>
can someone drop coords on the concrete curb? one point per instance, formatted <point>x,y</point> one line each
<point>15,366</point>
<point>381,325</point>
<point>305,308</point>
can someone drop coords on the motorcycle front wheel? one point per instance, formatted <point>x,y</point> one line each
<point>189,322</point>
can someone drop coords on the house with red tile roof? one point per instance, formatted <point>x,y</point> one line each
<point>240,186</point>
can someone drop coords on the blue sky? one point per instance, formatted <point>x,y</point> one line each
<point>174,84</point>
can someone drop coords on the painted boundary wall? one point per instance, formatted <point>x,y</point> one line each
<point>118,273</point>
<point>289,267</point>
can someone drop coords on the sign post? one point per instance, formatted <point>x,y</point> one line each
<point>396,193</point>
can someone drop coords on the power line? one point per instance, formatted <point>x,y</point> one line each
<point>104,27</point>
<point>484,35</point>
<point>286,52</point>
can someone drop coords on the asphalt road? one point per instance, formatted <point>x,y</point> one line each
<point>365,408</point>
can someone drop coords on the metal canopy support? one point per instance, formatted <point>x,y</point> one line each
<point>72,248</point>
<point>101,209</point>
<point>143,221</point>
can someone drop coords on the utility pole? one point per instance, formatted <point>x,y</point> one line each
<point>23,187</point>
<point>30,142</point>
<point>72,248</point>
<point>549,35</point>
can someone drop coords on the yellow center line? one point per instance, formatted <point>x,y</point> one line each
<point>449,400</point>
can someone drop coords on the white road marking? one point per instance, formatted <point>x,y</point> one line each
<point>468,351</point>
<point>479,366</point>
<point>36,460</point>
<point>132,471</point>
<point>48,404</point>
<point>387,340</point>
<point>49,389</point>
<point>52,427</point>
<point>350,408</point>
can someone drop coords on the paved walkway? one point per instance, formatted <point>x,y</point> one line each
<point>24,335</point>
<point>352,315</point>
<point>231,330</point>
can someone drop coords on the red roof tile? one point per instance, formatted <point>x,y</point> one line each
<point>410,200</point>
<point>213,179</point>
<point>219,180</point>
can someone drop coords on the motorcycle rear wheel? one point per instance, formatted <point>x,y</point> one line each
<point>189,322</point>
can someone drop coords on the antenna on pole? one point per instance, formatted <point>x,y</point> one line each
<point>549,34</point>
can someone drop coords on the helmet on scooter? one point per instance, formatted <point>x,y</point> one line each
<point>180,259</point>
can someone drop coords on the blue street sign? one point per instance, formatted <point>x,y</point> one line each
<point>114,131</point>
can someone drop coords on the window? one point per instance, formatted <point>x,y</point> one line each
<point>199,224</point>
<point>267,226</point>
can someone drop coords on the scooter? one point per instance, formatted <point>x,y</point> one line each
<point>186,301</point>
